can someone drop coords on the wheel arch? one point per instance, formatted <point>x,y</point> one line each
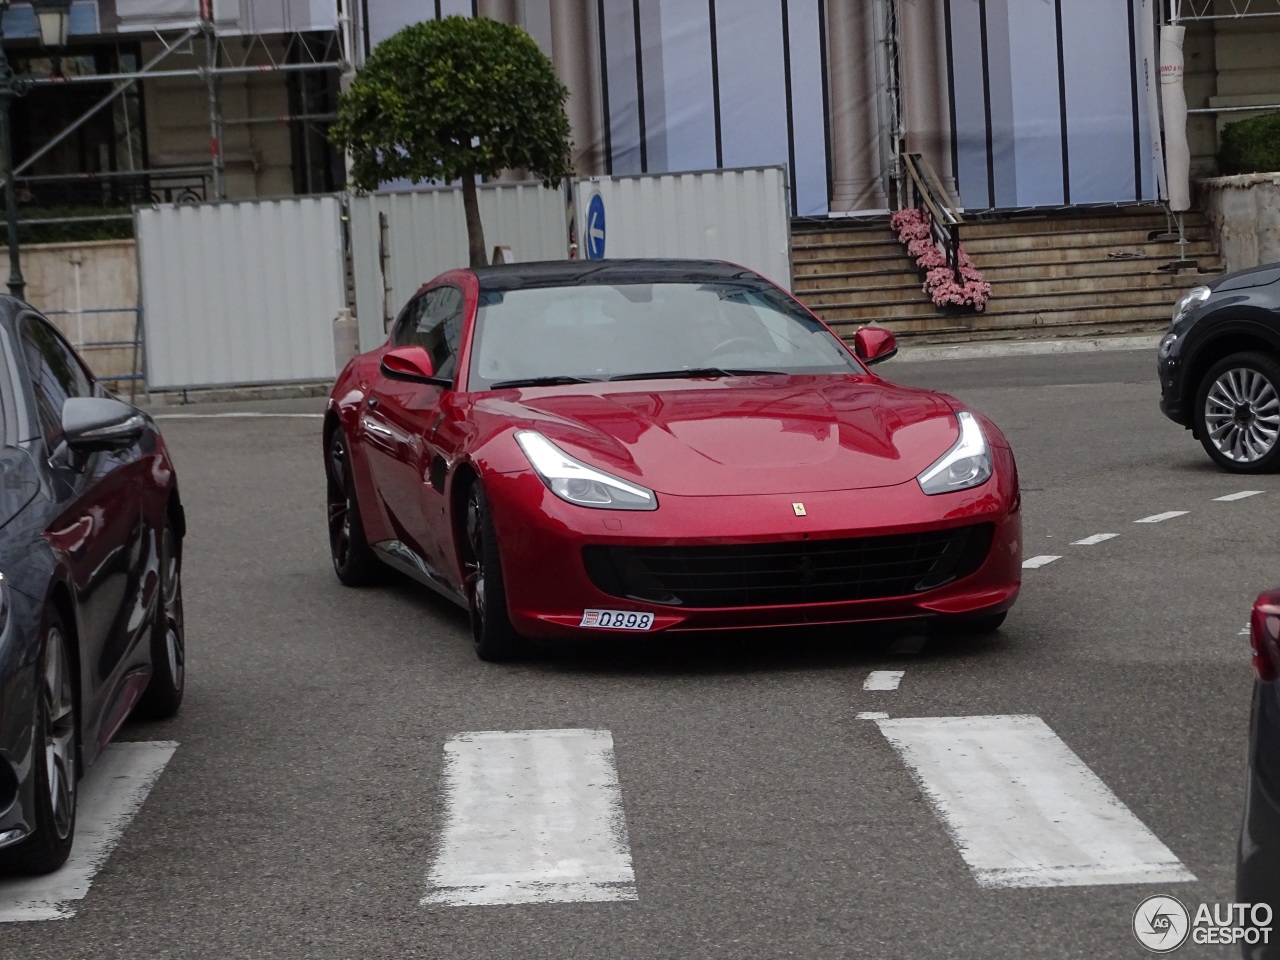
<point>465,476</point>
<point>62,600</point>
<point>1238,337</point>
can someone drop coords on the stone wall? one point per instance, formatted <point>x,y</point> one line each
<point>1245,211</point>
<point>107,272</point>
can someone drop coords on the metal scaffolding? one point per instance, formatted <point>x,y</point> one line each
<point>299,55</point>
<point>1201,11</point>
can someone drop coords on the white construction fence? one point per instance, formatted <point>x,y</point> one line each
<point>240,293</point>
<point>736,215</point>
<point>399,241</point>
<point>247,292</point>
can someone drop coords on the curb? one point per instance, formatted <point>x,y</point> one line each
<point>1029,348</point>
<point>184,398</point>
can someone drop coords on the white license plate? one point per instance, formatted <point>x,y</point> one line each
<point>616,620</point>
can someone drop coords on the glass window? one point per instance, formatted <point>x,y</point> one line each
<point>435,324</point>
<point>55,371</point>
<point>601,331</point>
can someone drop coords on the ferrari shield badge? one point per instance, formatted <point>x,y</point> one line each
<point>799,509</point>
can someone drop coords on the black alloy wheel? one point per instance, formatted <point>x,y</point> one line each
<point>492,635</point>
<point>56,769</point>
<point>354,561</point>
<point>1238,413</point>
<point>164,692</point>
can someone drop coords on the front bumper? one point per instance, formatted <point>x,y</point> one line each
<point>1170,370</point>
<point>548,587</point>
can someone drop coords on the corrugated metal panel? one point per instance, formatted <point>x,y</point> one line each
<point>735,215</point>
<point>238,293</point>
<point>426,234</point>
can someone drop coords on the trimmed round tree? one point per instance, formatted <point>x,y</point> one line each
<point>455,99</point>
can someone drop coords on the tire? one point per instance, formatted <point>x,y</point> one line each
<point>354,561</point>
<point>56,770</point>
<point>1237,413</point>
<point>492,635</point>
<point>163,695</point>
<point>969,626</point>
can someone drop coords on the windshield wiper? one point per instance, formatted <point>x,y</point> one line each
<point>692,373</point>
<point>542,382</point>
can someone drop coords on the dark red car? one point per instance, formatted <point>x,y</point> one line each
<point>581,448</point>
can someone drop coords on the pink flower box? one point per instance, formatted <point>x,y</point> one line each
<point>915,233</point>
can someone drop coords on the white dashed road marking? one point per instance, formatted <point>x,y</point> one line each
<point>873,715</point>
<point>110,794</point>
<point>1035,562</point>
<point>1238,496</point>
<point>532,816</point>
<point>1160,517</point>
<point>1095,539</point>
<point>1023,809</point>
<point>883,680</point>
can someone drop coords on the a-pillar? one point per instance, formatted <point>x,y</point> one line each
<point>926,94</point>
<point>857,183</point>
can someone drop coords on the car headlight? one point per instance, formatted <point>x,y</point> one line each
<point>576,482</point>
<point>967,464</point>
<point>1189,301</point>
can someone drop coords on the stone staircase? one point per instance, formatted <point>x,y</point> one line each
<point>1050,275</point>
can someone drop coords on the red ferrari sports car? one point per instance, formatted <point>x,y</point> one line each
<point>581,448</point>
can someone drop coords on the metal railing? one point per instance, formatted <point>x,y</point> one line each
<point>77,336</point>
<point>923,189</point>
<point>121,188</point>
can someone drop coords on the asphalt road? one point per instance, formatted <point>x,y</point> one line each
<point>301,811</point>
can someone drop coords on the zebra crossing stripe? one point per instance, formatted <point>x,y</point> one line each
<point>532,816</point>
<point>110,795</point>
<point>1023,809</point>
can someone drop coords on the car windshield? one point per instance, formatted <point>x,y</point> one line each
<point>627,331</point>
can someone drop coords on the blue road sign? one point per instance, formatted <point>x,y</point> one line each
<point>594,234</point>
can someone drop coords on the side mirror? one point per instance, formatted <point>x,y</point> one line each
<point>874,344</point>
<point>409,363</point>
<point>100,423</point>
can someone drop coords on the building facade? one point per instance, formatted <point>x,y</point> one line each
<point>1015,103</point>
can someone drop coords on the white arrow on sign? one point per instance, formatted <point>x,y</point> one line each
<point>594,233</point>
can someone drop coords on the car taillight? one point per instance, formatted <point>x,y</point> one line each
<point>1264,635</point>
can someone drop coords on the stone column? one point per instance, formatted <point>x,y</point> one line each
<point>926,96</point>
<point>575,50</point>
<point>855,126</point>
<point>504,11</point>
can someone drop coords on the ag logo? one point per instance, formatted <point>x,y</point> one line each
<point>1161,924</point>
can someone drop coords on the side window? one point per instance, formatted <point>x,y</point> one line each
<point>407,322</point>
<point>56,373</point>
<point>436,327</point>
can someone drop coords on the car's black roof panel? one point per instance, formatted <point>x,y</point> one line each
<point>564,273</point>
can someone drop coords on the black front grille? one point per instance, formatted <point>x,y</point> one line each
<point>797,571</point>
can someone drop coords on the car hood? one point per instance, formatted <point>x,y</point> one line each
<point>743,435</point>
<point>1261,276</point>
<point>18,482</point>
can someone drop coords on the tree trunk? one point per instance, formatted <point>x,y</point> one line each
<point>475,229</point>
